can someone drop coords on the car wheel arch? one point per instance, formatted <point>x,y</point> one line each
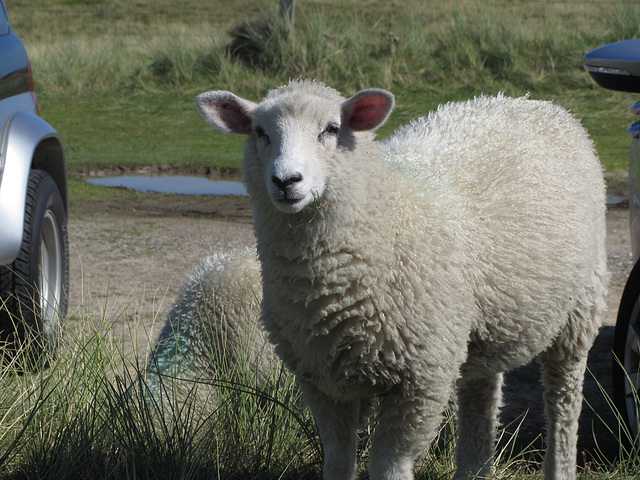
<point>29,137</point>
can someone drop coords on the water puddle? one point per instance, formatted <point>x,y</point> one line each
<point>183,185</point>
<point>617,200</point>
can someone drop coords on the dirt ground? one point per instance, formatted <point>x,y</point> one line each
<point>128,262</point>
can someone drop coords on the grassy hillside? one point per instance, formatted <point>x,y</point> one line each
<point>117,78</point>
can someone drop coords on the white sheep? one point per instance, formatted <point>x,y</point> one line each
<point>465,245</point>
<point>212,332</point>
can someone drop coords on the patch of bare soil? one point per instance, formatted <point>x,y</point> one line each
<point>128,260</point>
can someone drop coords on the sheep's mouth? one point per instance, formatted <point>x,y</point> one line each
<point>289,205</point>
<point>289,201</point>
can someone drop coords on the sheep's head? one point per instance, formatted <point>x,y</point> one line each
<point>292,133</point>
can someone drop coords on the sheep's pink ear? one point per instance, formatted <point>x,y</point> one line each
<point>226,111</point>
<point>367,110</point>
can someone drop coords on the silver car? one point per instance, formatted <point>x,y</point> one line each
<point>617,66</point>
<point>34,205</point>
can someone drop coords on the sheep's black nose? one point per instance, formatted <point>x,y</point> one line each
<point>282,184</point>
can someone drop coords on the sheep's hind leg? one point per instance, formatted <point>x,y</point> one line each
<point>563,369</point>
<point>479,401</point>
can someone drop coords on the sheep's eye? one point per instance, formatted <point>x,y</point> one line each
<point>261,134</point>
<point>332,129</point>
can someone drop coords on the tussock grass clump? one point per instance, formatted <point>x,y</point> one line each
<point>250,42</point>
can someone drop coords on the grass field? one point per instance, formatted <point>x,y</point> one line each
<point>117,79</point>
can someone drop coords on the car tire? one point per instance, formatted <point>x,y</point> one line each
<point>33,290</point>
<point>626,354</point>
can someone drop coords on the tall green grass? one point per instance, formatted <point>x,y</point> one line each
<point>468,45</point>
<point>92,415</point>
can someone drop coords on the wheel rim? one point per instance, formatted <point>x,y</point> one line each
<point>50,274</point>
<point>631,364</point>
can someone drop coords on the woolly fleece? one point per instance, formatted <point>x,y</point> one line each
<point>212,331</point>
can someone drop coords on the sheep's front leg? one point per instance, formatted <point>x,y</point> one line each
<point>478,404</point>
<point>338,425</point>
<point>406,426</point>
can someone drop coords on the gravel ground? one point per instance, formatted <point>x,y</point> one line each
<point>128,261</point>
